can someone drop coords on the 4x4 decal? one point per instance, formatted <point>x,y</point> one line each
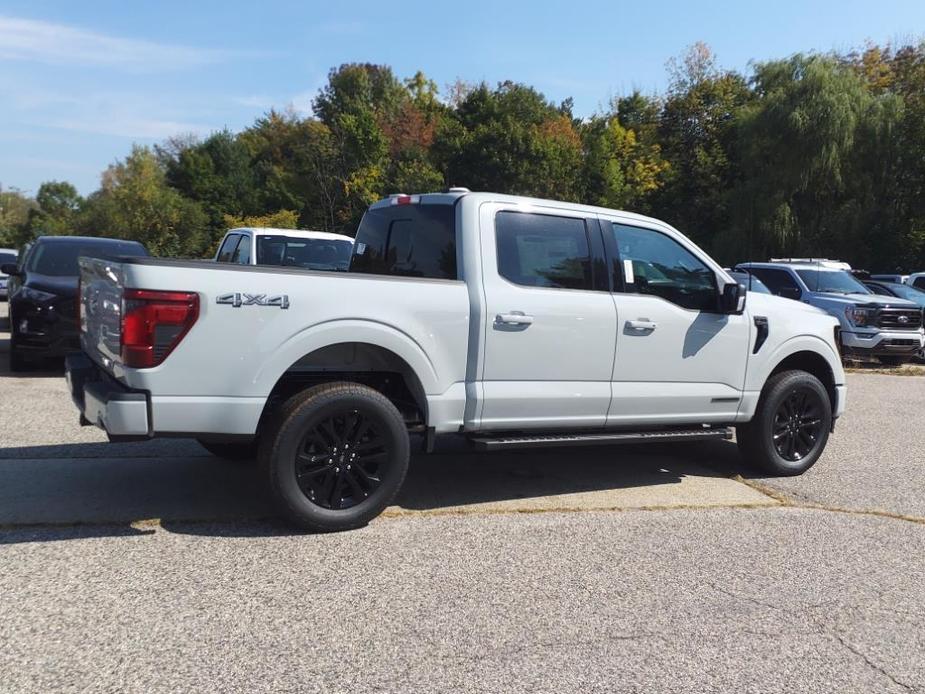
<point>238,299</point>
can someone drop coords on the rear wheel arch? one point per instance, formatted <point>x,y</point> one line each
<point>357,362</point>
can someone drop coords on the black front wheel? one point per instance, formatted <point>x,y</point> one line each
<point>336,455</point>
<point>791,425</point>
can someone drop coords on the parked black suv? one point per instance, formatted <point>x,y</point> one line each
<point>43,306</point>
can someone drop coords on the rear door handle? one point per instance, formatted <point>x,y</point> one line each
<point>514,318</point>
<point>641,324</point>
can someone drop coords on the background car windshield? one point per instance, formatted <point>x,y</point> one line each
<point>833,281</point>
<point>904,291</point>
<point>307,253</point>
<point>7,258</point>
<point>59,259</point>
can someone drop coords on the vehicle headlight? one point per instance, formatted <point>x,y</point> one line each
<point>859,316</point>
<point>35,294</point>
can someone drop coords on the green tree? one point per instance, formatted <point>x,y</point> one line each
<point>511,140</point>
<point>816,146</point>
<point>135,202</point>
<point>698,139</point>
<point>57,206</point>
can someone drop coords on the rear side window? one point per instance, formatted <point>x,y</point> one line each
<point>539,250</point>
<point>227,249</point>
<point>242,254</point>
<point>407,240</point>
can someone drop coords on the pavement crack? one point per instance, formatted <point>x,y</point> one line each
<point>791,501</point>
<point>863,656</point>
<point>821,628</point>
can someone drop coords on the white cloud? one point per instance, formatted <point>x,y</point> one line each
<point>58,44</point>
<point>129,125</point>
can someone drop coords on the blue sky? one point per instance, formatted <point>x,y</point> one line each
<point>82,81</point>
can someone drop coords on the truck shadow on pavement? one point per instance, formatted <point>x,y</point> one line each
<point>71,490</point>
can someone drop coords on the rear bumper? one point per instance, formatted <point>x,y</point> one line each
<point>121,412</point>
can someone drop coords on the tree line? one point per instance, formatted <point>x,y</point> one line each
<point>811,155</point>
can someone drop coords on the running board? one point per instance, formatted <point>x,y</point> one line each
<point>497,443</point>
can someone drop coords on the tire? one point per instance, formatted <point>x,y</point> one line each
<point>243,451</point>
<point>892,361</point>
<point>318,482</point>
<point>794,408</point>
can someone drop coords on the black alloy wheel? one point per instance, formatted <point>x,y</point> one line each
<point>336,455</point>
<point>342,460</point>
<point>790,427</point>
<point>798,424</point>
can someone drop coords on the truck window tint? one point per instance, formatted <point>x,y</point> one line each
<point>242,254</point>
<point>407,240</point>
<point>227,249</point>
<point>540,250</point>
<point>919,283</point>
<point>654,263</point>
<point>780,282</point>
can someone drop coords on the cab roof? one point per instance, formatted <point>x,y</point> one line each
<point>293,233</point>
<point>451,196</point>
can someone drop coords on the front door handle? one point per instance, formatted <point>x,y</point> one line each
<point>641,324</point>
<point>514,318</point>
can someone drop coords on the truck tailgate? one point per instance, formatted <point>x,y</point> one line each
<point>101,286</point>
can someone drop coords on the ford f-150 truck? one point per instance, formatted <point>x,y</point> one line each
<point>887,328</point>
<point>511,321</point>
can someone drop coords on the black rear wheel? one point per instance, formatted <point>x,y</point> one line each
<point>791,425</point>
<point>336,456</point>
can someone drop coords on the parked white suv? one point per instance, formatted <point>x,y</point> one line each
<point>314,250</point>
<point>511,321</point>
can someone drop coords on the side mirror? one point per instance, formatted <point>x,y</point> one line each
<point>732,299</point>
<point>11,269</point>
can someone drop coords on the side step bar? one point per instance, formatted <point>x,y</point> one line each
<point>492,443</point>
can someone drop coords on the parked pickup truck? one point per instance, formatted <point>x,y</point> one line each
<point>510,321</point>
<point>886,328</point>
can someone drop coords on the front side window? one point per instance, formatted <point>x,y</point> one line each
<point>919,283</point>
<point>654,263</point>
<point>227,249</point>
<point>780,282</point>
<point>242,254</point>
<point>541,250</point>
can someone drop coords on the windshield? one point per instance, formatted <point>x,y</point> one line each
<point>59,258</point>
<point>314,254</point>
<point>904,291</point>
<point>832,282</point>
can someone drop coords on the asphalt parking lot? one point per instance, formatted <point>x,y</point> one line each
<point>156,567</point>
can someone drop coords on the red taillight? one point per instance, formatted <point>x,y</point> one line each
<point>153,323</point>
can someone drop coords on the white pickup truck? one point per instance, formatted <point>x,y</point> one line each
<point>511,321</point>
